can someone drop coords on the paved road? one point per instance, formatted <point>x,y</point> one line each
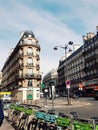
<point>85,107</point>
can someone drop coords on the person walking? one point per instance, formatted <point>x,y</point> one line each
<point>1,113</point>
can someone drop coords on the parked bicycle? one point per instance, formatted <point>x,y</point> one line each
<point>95,122</point>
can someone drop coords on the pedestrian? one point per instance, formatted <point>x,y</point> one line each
<point>1,113</point>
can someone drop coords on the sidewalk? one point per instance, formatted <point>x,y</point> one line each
<point>6,126</point>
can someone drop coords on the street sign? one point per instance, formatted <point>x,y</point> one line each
<point>80,86</point>
<point>68,86</point>
<point>67,82</point>
<point>29,96</point>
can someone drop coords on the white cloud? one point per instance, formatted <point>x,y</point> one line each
<point>49,29</point>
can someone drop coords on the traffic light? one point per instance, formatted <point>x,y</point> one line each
<point>42,85</point>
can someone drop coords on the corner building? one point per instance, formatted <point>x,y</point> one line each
<point>21,71</point>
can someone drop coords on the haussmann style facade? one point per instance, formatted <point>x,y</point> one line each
<point>80,67</point>
<point>21,71</point>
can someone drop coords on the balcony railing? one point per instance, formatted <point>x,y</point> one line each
<point>29,53</point>
<point>29,64</point>
<point>33,76</point>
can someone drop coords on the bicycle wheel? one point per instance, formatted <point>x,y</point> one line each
<point>32,124</point>
<point>42,125</point>
<point>21,122</point>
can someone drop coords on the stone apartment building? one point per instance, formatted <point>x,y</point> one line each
<point>21,71</point>
<point>50,77</point>
<point>81,67</point>
<point>71,69</point>
<point>90,54</point>
<point>0,79</point>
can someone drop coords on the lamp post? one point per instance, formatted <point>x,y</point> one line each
<point>51,84</point>
<point>41,84</point>
<point>46,94</point>
<point>66,47</point>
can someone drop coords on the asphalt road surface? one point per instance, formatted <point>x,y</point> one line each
<point>82,111</point>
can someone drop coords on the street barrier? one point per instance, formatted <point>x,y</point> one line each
<point>28,118</point>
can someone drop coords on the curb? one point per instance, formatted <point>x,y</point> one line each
<point>77,104</point>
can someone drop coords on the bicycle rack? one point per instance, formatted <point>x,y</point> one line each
<point>62,121</point>
<point>82,124</point>
<point>50,120</point>
<point>95,122</point>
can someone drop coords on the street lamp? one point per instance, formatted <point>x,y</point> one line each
<point>66,47</point>
<point>46,94</point>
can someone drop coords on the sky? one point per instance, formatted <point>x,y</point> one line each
<point>53,22</point>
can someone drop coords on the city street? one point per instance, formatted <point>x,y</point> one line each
<point>85,108</point>
<point>49,65</point>
<point>85,111</point>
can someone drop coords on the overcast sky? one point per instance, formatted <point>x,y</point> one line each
<point>53,22</point>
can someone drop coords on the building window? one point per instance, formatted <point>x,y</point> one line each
<point>29,61</point>
<point>29,82</point>
<point>29,51</point>
<point>30,71</point>
<point>21,73</point>
<point>27,41</point>
<point>21,51</point>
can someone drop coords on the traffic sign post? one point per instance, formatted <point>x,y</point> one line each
<point>67,82</point>
<point>67,86</point>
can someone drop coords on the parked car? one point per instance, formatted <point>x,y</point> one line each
<point>64,95</point>
<point>56,95</point>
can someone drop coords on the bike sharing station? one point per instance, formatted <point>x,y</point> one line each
<point>32,117</point>
<point>48,120</point>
